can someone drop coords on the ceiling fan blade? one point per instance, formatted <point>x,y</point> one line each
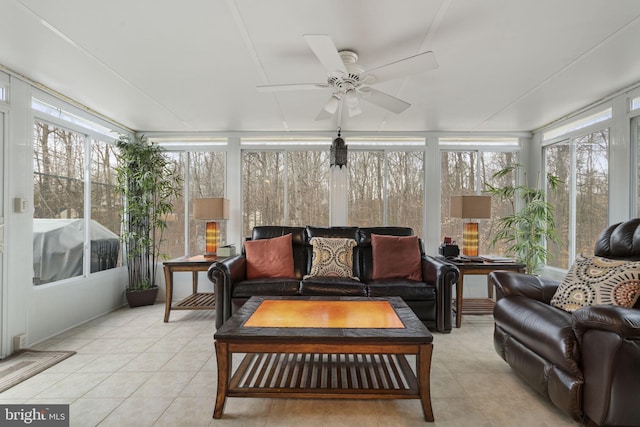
<point>294,86</point>
<point>384,100</point>
<point>325,50</point>
<point>404,67</point>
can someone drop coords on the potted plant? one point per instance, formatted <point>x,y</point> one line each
<point>148,184</point>
<point>526,230</point>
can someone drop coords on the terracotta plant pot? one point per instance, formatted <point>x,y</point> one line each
<point>143,297</point>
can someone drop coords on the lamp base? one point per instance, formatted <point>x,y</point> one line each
<point>470,239</point>
<point>211,238</point>
<point>210,255</point>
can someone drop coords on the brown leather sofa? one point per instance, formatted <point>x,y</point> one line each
<point>430,298</point>
<point>587,362</point>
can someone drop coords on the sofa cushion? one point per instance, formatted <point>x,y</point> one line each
<point>332,257</point>
<point>332,286</point>
<point>408,290</point>
<point>266,286</point>
<point>396,257</point>
<point>598,281</point>
<point>269,257</point>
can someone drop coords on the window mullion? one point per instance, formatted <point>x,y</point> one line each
<point>385,188</point>
<point>86,268</point>
<point>186,188</point>
<point>573,193</point>
<point>285,196</point>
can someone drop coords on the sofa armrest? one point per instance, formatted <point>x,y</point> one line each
<point>622,321</point>
<point>510,283</point>
<point>609,338</point>
<point>443,276</point>
<point>224,274</point>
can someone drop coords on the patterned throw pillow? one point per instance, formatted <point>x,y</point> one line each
<point>332,257</point>
<point>598,281</point>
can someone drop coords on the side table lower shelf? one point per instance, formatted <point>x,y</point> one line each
<point>197,301</point>
<point>477,306</point>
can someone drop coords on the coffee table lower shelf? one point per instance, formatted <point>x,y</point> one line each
<point>372,376</point>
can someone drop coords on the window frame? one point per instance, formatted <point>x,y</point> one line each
<point>479,146</point>
<point>61,112</point>
<point>186,146</point>
<point>386,149</point>
<point>284,146</point>
<point>571,138</point>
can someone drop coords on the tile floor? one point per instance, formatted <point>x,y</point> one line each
<point>132,369</point>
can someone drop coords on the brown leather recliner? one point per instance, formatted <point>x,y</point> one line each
<point>586,363</point>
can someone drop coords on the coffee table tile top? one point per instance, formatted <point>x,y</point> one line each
<point>324,314</point>
<point>413,331</point>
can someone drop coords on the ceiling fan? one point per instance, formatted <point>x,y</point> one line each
<point>349,81</point>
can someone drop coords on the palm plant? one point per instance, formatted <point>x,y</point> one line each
<point>526,231</point>
<point>148,184</point>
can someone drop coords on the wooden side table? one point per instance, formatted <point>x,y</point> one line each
<point>478,305</point>
<point>197,300</point>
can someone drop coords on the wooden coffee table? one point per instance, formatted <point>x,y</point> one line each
<point>321,347</point>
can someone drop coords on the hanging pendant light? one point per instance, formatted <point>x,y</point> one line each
<point>338,152</point>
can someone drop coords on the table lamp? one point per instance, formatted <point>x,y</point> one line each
<point>211,210</point>
<point>470,207</point>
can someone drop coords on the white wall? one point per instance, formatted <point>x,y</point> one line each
<point>57,307</point>
<point>18,253</point>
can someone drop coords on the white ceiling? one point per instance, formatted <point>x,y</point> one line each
<point>193,65</point>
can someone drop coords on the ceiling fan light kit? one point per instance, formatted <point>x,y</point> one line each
<point>350,82</point>
<point>332,105</point>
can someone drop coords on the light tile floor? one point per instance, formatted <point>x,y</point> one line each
<point>132,369</point>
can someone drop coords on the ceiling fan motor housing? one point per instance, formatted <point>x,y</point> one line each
<point>344,82</point>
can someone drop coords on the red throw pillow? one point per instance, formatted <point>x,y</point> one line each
<point>269,257</point>
<point>396,257</point>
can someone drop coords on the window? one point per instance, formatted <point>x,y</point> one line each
<point>386,187</point>
<point>291,186</point>
<point>558,162</point>
<point>308,188</point>
<point>105,201</point>
<point>4,87</point>
<point>263,189</point>
<point>76,223</point>
<point>201,162</point>
<point>105,207</point>
<point>58,181</point>
<point>636,133</point>
<point>465,171</point>
<point>582,163</point>
<point>206,179</point>
<point>285,187</point>
<point>173,237</point>
<point>366,183</point>
<point>576,125</point>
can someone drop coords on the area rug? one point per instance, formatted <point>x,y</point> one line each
<point>24,364</point>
